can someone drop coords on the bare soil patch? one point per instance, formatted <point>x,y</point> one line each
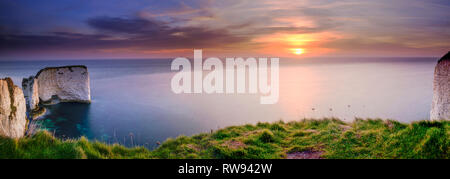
<point>305,155</point>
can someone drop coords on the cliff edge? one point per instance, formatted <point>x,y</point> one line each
<point>12,110</point>
<point>440,106</point>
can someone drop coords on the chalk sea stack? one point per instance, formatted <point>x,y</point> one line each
<point>64,84</point>
<point>12,109</point>
<point>52,85</point>
<point>30,91</point>
<point>440,106</point>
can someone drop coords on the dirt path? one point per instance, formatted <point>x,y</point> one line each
<point>305,155</point>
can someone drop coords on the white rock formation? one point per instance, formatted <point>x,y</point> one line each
<point>13,119</point>
<point>65,84</point>
<point>30,90</point>
<point>440,106</point>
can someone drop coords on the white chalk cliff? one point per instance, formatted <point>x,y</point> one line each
<point>13,119</point>
<point>30,91</point>
<point>64,84</point>
<point>50,85</point>
<point>440,106</point>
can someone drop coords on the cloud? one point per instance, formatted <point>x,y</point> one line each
<point>117,32</point>
<point>130,26</point>
<point>350,26</point>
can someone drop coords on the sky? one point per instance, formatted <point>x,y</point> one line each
<point>48,29</point>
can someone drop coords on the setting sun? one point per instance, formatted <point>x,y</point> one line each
<point>298,51</point>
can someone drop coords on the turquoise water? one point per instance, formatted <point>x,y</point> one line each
<point>132,102</point>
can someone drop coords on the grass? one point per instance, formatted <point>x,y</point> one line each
<point>371,138</point>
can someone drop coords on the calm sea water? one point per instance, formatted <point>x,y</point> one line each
<point>132,101</point>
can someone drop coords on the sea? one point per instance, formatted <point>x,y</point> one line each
<point>133,103</point>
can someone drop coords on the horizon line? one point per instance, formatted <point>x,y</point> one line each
<point>204,58</point>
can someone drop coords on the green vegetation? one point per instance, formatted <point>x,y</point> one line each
<point>44,145</point>
<point>38,112</point>
<point>326,138</point>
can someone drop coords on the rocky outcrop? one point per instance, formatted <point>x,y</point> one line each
<point>12,110</point>
<point>63,84</point>
<point>440,106</point>
<point>49,86</point>
<point>30,91</point>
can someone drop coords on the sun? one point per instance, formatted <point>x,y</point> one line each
<point>298,51</point>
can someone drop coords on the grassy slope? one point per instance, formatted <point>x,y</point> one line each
<point>332,137</point>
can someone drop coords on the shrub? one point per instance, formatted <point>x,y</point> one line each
<point>266,136</point>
